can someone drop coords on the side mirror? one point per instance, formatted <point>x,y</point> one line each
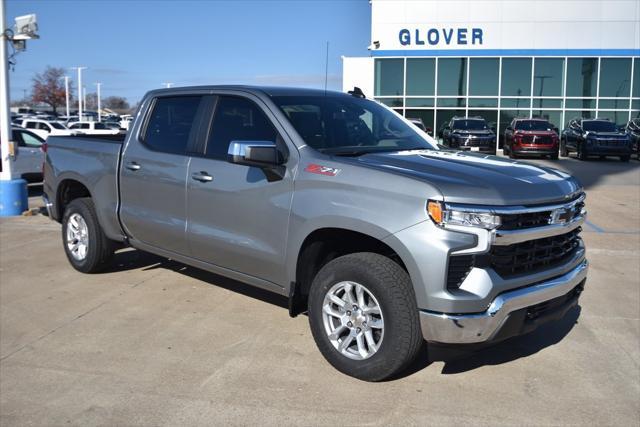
<point>261,154</point>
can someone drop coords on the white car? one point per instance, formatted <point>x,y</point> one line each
<point>29,155</point>
<point>43,128</point>
<point>95,128</point>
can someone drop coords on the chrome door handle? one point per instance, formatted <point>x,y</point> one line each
<point>202,176</point>
<point>133,166</point>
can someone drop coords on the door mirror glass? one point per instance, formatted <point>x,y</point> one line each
<point>254,153</point>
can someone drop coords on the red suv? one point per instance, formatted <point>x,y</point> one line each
<point>531,137</point>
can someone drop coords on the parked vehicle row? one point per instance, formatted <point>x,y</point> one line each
<point>469,134</point>
<point>595,137</point>
<point>530,137</point>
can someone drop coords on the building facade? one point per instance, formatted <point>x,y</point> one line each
<point>500,59</point>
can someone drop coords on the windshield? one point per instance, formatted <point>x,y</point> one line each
<point>349,125</point>
<point>56,125</point>
<point>469,124</point>
<point>533,125</point>
<point>599,126</point>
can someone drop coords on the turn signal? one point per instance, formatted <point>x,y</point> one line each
<point>435,211</point>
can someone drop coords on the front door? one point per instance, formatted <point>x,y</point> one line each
<point>238,218</point>
<point>154,173</point>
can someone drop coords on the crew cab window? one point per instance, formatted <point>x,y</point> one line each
<point>57,125</point>
<point>44,127</point>
<point>29,140</point>
<point>32,125</point>
<point>100,126</point>
<point>169,125</point>
<point>237,119</point>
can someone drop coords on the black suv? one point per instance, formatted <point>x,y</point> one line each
<point>633,130</point>
<point>595,137</point>
<point>470,134</point>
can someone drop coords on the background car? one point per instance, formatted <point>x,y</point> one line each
<point>44,128</point>
<point>595,137</point>
<point>96,128</point>
<point>469,134</point>
<point>530,137</point>
<point>633,130</point>
<point>29,155</point>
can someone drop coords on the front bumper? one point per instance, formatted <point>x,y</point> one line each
<point>486,326</point>
<point>595,149</point>
<point>535,150</point>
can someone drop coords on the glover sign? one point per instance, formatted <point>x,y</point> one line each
<point>441,37</point>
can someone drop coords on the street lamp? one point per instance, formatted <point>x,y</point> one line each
<point>66,93</point>
<point>13,192</point>
<point>79,90</point>
<point>99,109</point>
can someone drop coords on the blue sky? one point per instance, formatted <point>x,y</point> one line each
<point>132,46</point>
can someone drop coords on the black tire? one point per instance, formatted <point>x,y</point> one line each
<point>512,155</point>
<point>582,152</point>
<point>625,158</point>
<point>100,248</point>
<point>563,149</point>
<point>554,156</point>
<point>391,286</point>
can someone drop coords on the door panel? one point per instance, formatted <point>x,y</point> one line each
<point>153,174</point>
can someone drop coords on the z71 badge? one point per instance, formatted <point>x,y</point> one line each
<point>321,170</point>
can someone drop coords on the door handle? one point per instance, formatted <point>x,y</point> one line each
<point>133,166</point>
<point>202,176</point>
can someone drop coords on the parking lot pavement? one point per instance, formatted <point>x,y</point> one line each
<point>153,342</point>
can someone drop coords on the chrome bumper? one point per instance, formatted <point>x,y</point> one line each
<point>480,327</point>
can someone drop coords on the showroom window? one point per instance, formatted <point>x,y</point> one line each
<point>483,76</point>
<point>548,77</point>
<point>452,76</point>
<point>615,77</point>
<point>516,77</point>
<point>421,77</point>
<point>582,77</point>
<point>389,77</point>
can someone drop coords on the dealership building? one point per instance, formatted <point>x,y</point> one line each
<point>500,59</point>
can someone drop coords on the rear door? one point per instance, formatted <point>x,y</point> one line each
<point>154,170</point>
<point>30,155</point>
<point>238,219</point>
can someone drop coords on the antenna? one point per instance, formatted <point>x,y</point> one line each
<point>326,68</point>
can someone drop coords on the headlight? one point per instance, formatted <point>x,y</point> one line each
<point>443,215</point>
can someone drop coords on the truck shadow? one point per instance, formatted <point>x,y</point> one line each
<point>459,359</point>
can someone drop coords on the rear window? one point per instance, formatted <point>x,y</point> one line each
<point>169,125</point>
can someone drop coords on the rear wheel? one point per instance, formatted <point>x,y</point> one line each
<point>563,149</point>
<point>87,247</point>
<point>363,316</point>
<point>582,152</point>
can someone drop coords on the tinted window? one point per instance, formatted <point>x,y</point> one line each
<point>582,75</point>
<point>533,125</point>
<point>547,79</point>
<point>56,125</point>
<point>388,77</point>
<point>469,124</point>
<point>516,76</point>
<point>44,127</point>
<point>100,126</point>
<point>599,126</point>
<point>483,77</point>
<point>421,76</point>
<point>237,119</point>
<point>345,125</point>
<point>29,140</point>
<point>170,123</point>
<point>452,76</point>
<point>31,125</point>
<point>85,126</point>
<point>615,77</point>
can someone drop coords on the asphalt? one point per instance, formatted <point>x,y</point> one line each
<point>153,342</point>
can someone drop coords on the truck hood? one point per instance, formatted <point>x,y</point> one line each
<point>476,178</point>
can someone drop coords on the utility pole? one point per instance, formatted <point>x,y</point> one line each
<point>6,149</point>
<point>79,90</point>
<point>66,93</point>
<point>99,109</point>
<point>84,98</point>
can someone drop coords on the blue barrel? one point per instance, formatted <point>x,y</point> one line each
<point>13,197</point>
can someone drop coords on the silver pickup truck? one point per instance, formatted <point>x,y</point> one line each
<point>382,237</point>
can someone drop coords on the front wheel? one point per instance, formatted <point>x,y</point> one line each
<point>582,152</point>
<point>563,149</point>
<point>363,316</point>
<point>87,247</point>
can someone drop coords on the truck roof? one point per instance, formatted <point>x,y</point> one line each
<point>267,90</point>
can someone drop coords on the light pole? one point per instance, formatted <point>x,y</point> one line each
<point>167,85</point>
<point>66,93</point>
<point>79,90</point>
<point>6,149</point>
<point>99,109</point>
<point>84,98</point>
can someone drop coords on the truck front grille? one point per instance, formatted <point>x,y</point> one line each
<point>533,219</point>
<point>534,255</point>
<point>535,139</point>
<point>459,268</point>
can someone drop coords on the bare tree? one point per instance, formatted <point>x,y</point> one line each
<point>92,101</point>
<point>116,103</point>
<point>48,87</point>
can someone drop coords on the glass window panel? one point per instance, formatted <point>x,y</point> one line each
<point>483,102</point>
<point>516,77</point>
<point>451,102</point>
<point>169,124</point>
<point>419,102</point>
<point>443,117</point>
<point>582,74</point>
<point>635,113</point>
<point>635,104</point>
<point>618,117</point>
<point>613,104</point>
<point>490,116</point>
<point>572,114</point>
<point>389,74</point>
<point>483,76</point>
<point>548,77</point>
<point>547,103</point>
<point>425,115</point>
<point>615,77</point>
<point>581,103</point>
<point>515,103</point>
<point>636,78</point>
<point>452,76</point>
<point>421,78</point>
<point>391,102</point>
<point>554,117</point>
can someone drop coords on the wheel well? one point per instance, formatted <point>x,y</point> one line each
<point>324,245</point>
<point>69,190</point>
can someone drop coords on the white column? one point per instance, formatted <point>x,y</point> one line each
<point>66,93</point>
<point>80,93</point>
<point>5,115</point>
<point>99,109</point>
